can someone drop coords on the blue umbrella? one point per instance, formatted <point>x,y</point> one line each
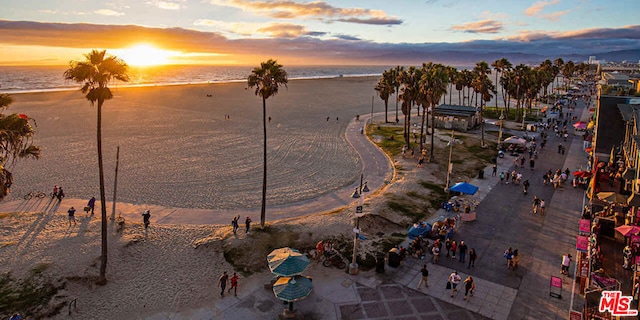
<point>287,262</point>
<point>292,289</point>
<point>464,187</point>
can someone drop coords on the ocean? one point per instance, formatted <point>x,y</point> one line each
<point>21,79</point>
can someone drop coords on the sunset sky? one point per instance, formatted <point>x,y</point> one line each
<point>36,32</point>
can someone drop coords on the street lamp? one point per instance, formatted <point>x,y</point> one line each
<point>500,134</point>
<point>353,267</point>
<point>449,165</point>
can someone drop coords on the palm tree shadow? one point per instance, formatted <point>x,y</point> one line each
<point>46,215</point>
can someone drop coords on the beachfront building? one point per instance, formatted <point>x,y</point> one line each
<point>457,117</point>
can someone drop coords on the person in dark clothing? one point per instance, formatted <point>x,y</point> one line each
<point>146,215</point>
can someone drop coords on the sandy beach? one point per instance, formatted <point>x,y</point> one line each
<point>177,149</point>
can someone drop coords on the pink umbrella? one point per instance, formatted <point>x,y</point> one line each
<point>627,230</point>
<point>580,125</point>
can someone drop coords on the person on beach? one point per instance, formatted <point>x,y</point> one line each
<point>425,277</point>
<point>247,223</point>
<point>222,282</point>
<point>60,194</point>
<point>234,284</point>
<point>146,215</point>
<point>469,286</point>
<point>234,223</point>
<point>92,204</point>
<point>54,194</point>
<point>319,250</point>
<point>72,216</point>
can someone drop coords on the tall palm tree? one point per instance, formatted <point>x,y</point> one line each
<point>501,66</point>
<point>384,91</point>
<point>267,79</point>
<point>567,72</point>
<point>452,73</point>
<point>433,85</point>
<point>394,76</point>
<point>481,84</point>
<point>16,141</point>
<point>95,73</point>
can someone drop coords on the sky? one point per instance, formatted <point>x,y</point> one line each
<point>245,32</point>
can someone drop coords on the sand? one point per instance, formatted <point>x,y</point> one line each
<point>177,149</point>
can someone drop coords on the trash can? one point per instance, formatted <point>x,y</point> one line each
<point>394,258</point>
<point>481,174</point>
<point>380,264</point>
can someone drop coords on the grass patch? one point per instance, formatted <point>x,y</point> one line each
<point>439,195</point>
<point>392,147</point>
<point>30,296</point>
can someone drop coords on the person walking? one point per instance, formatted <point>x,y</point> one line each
<point>435,250</point>
<point>472,258</point>
<point>425,277</point>
<point>454,279</point>
<point>319,250</point>
<point>535,204</point>
<point>494,170</point>
<point>222,282</point>
<point>508,254</point>
<point>54,194</point>
<point>146,215</point>
<point>72,213</point>
<point>566,262</point>
<point>447,245</point>
<point>502,177</point>
<point>469,286</point>
<point>463,251</point>
<point>515,260</point>
<point>60,194</point>
<point>234,284</point>
<point>543,205</point>
<point>234,223</point>
<point>92,204</point>
<point>247,223</point>
<point>454,247</point>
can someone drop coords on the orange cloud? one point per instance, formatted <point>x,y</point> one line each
<point>554,16</point>
<point>287,9</point>
<point>284,30</point>
<point>538,6</point>
<point>484,26</point>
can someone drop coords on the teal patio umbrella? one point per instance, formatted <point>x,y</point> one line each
<point>291,289</point>
<point>287,262</point>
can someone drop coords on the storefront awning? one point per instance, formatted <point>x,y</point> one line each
<point>629,174</point>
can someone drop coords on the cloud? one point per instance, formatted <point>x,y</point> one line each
<point>306,49</point>
<point>537,7</point>
<point>288,9</point>
<point>554,16</point>
<point>108,12</point>
<point>283,30</point>
<point>484,26</point>
<point>167,5</point>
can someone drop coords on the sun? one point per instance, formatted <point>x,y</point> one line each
<point>145,55</point>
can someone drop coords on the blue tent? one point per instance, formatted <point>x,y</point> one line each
<point>465,188</point>
<point>419,229</point>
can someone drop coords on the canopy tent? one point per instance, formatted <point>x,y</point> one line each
<point>612,197</point>
<point>580,125</point>
<point>287,262</point>
<point>627,230</point>
<point>515,140</point>
<point>464,187</point>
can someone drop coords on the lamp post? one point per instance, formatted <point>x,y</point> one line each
<point>449,165</point>
<point>353,266</point>
<point>500,134</point>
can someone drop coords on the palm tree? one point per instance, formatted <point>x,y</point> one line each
<point>452,73</point>
<point>384,91</point>
<point>267,79</point>
<point>16,141</point>
<point>433,85</point>
<point>95,73</point>
<point>394,76</point>
<point>481,84</point>
<point>501,66</point>
<point>567,72</point>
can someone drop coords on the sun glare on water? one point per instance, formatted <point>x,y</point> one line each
<point>145,55</point>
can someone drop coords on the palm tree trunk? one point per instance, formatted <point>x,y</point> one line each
<point>264,165</point>
<point>386,108</point>
<point>481,125</point>
<point>102,280</point>
<point>433,124</point>
<point>424,115</point>
<point>397,88</point>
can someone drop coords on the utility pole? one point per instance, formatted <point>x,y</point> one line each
<point>450,165</point>
<point>115,185</point>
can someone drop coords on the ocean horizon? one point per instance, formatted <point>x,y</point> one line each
<point>27,79</point>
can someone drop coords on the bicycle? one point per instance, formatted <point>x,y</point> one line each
<point>32,194</point>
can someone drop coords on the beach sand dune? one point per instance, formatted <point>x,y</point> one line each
<point>177,149</point>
